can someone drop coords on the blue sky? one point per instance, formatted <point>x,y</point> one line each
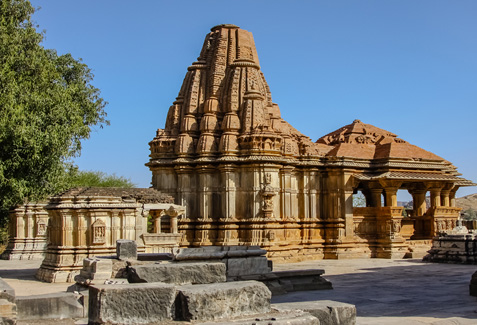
<point>409,67</point>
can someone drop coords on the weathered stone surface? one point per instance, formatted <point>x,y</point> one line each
<point>453,249</point>
<point>50,306</point>
<point>8,312</point>
<point>247,266</point>
<point>289,281</point>
<point>95,270</point>
<point>221,300</point>
<point>272,318</point>
<point>178,273</point>
<point>126,249</point>
<point>199,253</point>
<point>6,291</point>
<point>27,238</point>
<point>131,303</point>
<point>327,311</point>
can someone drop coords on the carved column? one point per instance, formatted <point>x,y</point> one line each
<point>418,202</point>
<point>157,221</point>
<point>390,196</point>
<point>228,227</point>
<point>376,191</point>
<point>390,243</point>
<point>206,229</point>
<point>339,224</point>
<point>452,195</point>
<point>186,186</point>
<point>286,192</point>
<point>435,196</point>
<point>445,194</point>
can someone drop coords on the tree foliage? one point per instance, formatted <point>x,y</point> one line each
<point>98,179</point>
<point>359,201</point>
<point>47,107</point>
<point>469,214</point>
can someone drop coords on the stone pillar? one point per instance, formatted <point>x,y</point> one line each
<point>390,191</point>
<point>445,200</point>
<point>419,202</point>
<point>287,206</point>
<point>452,196</point>
<point>29,226</point>
<point>435,197</point>
<point>375,192</point>
<point>174,227</point>
<point>445,194</point>
<point>228,197</point>
<point>186,189</point>
<point>391,196</point>
<point>338,215</point>
<point>157,221</point>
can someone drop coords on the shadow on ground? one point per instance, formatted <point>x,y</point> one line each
<point>414,289</point>
<point>18,274</point>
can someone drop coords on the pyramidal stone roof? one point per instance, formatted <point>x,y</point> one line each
<point>225,109</point>
<point>360,140</point>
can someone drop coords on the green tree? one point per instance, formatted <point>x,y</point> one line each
<point>469,214</point>
<point>359,200</point>
<point>47,106</point>
<point>98,179</point>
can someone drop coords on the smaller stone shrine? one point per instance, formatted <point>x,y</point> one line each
<point>455,246</point>
<point>86,222</point>
<point>27,237</point>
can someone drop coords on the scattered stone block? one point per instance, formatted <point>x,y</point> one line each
<point>8,312</point>
<point>243,251</point>
<point>199,253</point>
<point>289,281</point>
<point>247,266</point>
<point>140,303</point>
<point>221,300</point>
<point>95,270</point>
<point>126,249</point>
<point>274,318</point>
<point>217,252</point>
<point>178,273</point>
<point>50,306</point>
<point>327,311</point>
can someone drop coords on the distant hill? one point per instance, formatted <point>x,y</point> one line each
<point>466,202</point>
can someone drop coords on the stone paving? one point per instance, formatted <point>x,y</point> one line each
<point>384,291</point>
<point>395,291</point>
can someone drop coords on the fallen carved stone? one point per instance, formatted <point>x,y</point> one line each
<point>131,303</point>
<point>126,249</point>
<point>327,311</point>
<point>177,273</point>
<point>221,300</point>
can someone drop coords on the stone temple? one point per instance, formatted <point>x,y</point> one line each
<point>247,177</point>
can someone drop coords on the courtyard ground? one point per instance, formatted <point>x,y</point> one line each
<point>384,291</point>
<point>395,291</point>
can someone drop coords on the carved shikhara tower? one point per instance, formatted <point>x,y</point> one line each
<point>247,177</point>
